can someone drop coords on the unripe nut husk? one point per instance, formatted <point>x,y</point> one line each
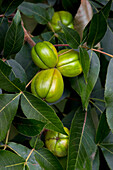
<point>48,85</point>
<point>64,17</point>
<point>69,63</point>
<point>57,143</point>
<point>44,55</point>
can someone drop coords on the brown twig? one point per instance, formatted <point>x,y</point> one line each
<point>72,99</point>
<point>98,50</point>
<point>2,15</point>
<point>60,45</point>
<point>27,36</point>
<point>102,52</point>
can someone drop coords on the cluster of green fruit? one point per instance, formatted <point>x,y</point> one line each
<point>48,84</point>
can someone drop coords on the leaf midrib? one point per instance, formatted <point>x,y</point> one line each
<point>10,81</point>
<point>9,102</point>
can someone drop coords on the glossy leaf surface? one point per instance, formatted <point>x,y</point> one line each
<point>85,62</point>
<point>78,83</point>
<point>9,160</point>
<point>47,160</point>
<point>35,108</point>
<point>28,127</point>
<point>23,57</point>
<point>17,71</point>
<point>8,109</point>
<point>36,11</point>
<point>5,83</point>
<point>102,131</point>
<point>14,36</point>
<point>72,37</point>
<point>97,29</point>
<point>77,154</point>
<point>109,96</point>
<point>9,6</point>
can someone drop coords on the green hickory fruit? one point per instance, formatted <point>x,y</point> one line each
<point>69,63</point>
<point>48,85</point>
<point>57,143</point>
<point>44,55</point>
<point>65,17</point>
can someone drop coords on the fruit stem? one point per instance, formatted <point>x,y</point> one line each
<point>31,80</point>
<point>51,27</point>
<point>27,36</point>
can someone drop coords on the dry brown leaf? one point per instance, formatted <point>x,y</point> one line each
<point>83,16</point>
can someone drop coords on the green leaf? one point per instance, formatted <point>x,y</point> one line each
<point>96,162</point>
<point>14,36</point>
<point>88,139</point>
<point>106,9</point>
<point>107,40</point>
<point>22,151</point>
<point>3,30</point>
<point>77,155</point>
<point>5,83</point>
<point>36,142</point>
<point>47,36</point>
<point>108,154</point>
<point>85,33</point>
<point>97,29</point>
<point>97,96</point>
<point>36,11</point>
<point>33,167</point>
<point>9,160</point>
<point>17,71</point>
<point>35,108</point>
<point>79,85</point>
<point>107,149</point>
<point>51,2</point>
<point>102,131</point>
<point>8,109</point>
<point>9,6</point>
<point>72,36</point>
<point>28,127</point>
<point>85,62</point>
<point>47,160</point>
<point>23,57</point>
<point>109,95</point>
<point>50,12</point>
